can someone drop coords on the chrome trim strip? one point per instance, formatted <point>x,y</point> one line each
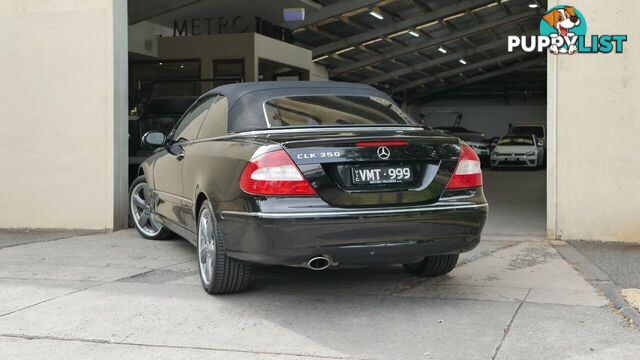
<point>172,195</point>
<point>321,129</point>
<point>329,214</point>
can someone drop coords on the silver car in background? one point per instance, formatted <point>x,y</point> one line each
<point>517,151</point>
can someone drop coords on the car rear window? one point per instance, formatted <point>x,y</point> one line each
<point>328,110</point>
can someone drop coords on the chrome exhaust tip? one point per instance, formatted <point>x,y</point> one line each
<point>318,263</point>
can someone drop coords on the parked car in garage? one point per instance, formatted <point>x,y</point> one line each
<point>537,130</point>
<point>517,151</point>
<point>308,174</point>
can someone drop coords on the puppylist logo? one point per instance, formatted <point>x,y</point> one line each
<point>563,30</point>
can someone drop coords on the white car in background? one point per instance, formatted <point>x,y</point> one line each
<point>517,151</point>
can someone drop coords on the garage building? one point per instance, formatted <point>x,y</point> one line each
<point>89,68</point>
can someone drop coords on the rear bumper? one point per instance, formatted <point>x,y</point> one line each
<point>353,237</point>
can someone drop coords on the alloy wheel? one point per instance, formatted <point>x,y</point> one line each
<point>142,210</point>
<point>206,246</point>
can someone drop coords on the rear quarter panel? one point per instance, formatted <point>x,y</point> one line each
<point>213,168</point>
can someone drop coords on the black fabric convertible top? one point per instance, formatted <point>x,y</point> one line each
<point>246,100</point>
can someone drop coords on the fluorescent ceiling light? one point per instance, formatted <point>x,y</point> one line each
<point>372,41</point>
<point>426,25</point>
<point>414,33</point>
<point>399,33</point>
<point>442,50</point>
<point>376,15</point>
<point>485,7</point>
<point>344,50</point>
<point>454,16</point>
<point>463,61</point>
<point>293,14</point>
<point>320,58</point>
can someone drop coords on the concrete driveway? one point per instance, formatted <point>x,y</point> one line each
<point>116,295</point>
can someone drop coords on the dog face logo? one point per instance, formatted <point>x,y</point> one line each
<point>562,19</point>
<point>563,30</point>
<point>563,24</point>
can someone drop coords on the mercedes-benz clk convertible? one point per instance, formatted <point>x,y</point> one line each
<point>310,174</point>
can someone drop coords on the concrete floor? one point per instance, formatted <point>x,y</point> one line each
<point>621,262</point>
<point>118,296</point>
<point>107,296</point>
<point>517,202</point>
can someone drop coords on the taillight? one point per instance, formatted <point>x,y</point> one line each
<point>468,172</point>
<point>274,173</point>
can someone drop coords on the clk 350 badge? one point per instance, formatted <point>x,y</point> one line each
<point>319,155</point>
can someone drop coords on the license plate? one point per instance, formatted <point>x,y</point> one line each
<point>512,159</point>
<point>381,175</point>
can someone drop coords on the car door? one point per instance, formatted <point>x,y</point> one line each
<point>201,155</point>
<point>167,171</point>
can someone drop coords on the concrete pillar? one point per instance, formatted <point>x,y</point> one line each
<point>594,129</point>
<point>63,95</point>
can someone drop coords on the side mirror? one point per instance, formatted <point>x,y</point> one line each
<point>154,138</point>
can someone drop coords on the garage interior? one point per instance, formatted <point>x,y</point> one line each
<point>445,62</point>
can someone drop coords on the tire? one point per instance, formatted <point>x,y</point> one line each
<point>140,207</point>
<point>219,274</point>
<point>433,265</point>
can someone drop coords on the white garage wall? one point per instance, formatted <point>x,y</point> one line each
<point>489,117</point>
<point>58,99</point>
<point>594,107</point>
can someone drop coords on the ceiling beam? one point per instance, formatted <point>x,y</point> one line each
<point>431,43</point>
<point>459,70</point>
<point>475,79</point>
<point>436,62</point>
<point>331,11</point>
<point>141,10</point>
<point>458,7</point>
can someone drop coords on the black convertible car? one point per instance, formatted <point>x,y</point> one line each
<point>312,174</point>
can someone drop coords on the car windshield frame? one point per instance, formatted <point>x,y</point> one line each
<point>388,104</point>
<point>522,138</point>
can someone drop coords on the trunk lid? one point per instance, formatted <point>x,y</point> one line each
<point>353,168</point>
